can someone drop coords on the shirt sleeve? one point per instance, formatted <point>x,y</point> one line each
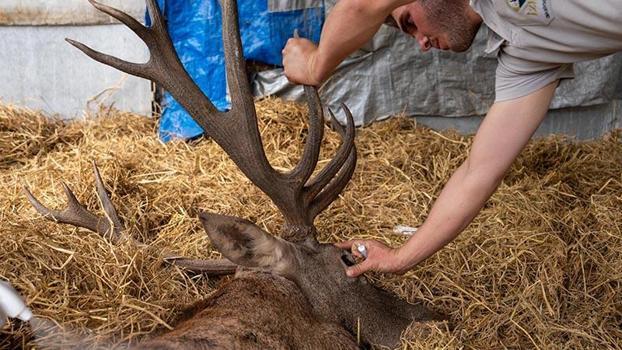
<point>517,78</point>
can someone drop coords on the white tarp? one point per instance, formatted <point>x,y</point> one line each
<point>42,71</point>
<point>63,12</point>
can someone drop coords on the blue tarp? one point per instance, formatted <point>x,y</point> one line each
<point>195,29</point>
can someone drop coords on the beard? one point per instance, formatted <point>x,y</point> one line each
<point>460,35</point>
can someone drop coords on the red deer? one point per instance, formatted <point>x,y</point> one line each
<point>289,291</point>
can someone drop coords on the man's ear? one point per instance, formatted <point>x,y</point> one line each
<point>245,244</point>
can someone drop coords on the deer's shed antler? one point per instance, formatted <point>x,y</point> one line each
<point>110,226</point>
<point>299,197</point>
<point>76,213</point>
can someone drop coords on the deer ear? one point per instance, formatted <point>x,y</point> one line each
<point>245,244</point>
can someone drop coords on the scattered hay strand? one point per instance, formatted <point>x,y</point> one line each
<point>538,268</point>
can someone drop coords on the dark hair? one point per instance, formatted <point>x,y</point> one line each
<point>451,17</point>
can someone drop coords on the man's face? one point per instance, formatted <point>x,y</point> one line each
<point>438,28</point>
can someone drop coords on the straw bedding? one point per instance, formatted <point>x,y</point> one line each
<point>540,267</point>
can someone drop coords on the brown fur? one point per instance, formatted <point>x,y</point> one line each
<point>255,311</point>
<point>315,305</point>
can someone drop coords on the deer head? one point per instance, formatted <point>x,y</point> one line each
<point>317,269</point>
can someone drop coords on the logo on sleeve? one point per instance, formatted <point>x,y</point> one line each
<point>532,8</point>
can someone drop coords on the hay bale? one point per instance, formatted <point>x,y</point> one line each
<point>538,268</point>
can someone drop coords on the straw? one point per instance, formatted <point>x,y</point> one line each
<point>540,267</point>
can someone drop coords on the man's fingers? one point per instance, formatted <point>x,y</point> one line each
<point>358,269</point>
<point>353,247</point>
<point>345,245</point>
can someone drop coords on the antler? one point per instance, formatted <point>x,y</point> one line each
<point>217,267</point>
<point>110,226</point>
<point>298,198</point>
<point>76,214</point>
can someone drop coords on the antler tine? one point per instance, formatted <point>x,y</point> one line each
<point>239,87</point>
<point>310,155</point>
<point>137,69</point>
<point>337,162</point>
<point>106,203</point>
<point>141,31</point>
<point>238,134</point>
<point>339,170</point>
<point>163,67</point>
<point>334,188</point>
<point>340,129</point>
<point>245,147</point>
<point>124,18</point>
<point>40,208</point>
<point>157,20</point>
<point>75,214</point>
<point>218,267</point>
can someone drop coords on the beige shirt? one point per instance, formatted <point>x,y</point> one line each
<point>537,41</point>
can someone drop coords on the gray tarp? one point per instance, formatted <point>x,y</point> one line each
<point>390,75</point>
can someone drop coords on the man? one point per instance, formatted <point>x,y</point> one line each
<point>536,41</point>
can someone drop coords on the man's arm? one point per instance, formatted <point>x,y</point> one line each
<point>504,132</point>
<point>350,24</point>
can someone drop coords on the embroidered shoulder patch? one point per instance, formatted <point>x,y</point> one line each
<point>540,9</point>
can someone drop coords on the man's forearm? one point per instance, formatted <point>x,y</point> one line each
<point>350,24</point>
<point>460,201</point>
<point>503,134</point>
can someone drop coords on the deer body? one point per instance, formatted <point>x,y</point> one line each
<point>255,310</point>
<point>292,292</point>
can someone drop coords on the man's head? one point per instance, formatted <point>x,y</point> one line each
<point>443,24</point>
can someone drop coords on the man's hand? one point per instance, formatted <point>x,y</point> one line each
<point>299,61</point>
<point>350,24</point>
<point>380,258</point>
